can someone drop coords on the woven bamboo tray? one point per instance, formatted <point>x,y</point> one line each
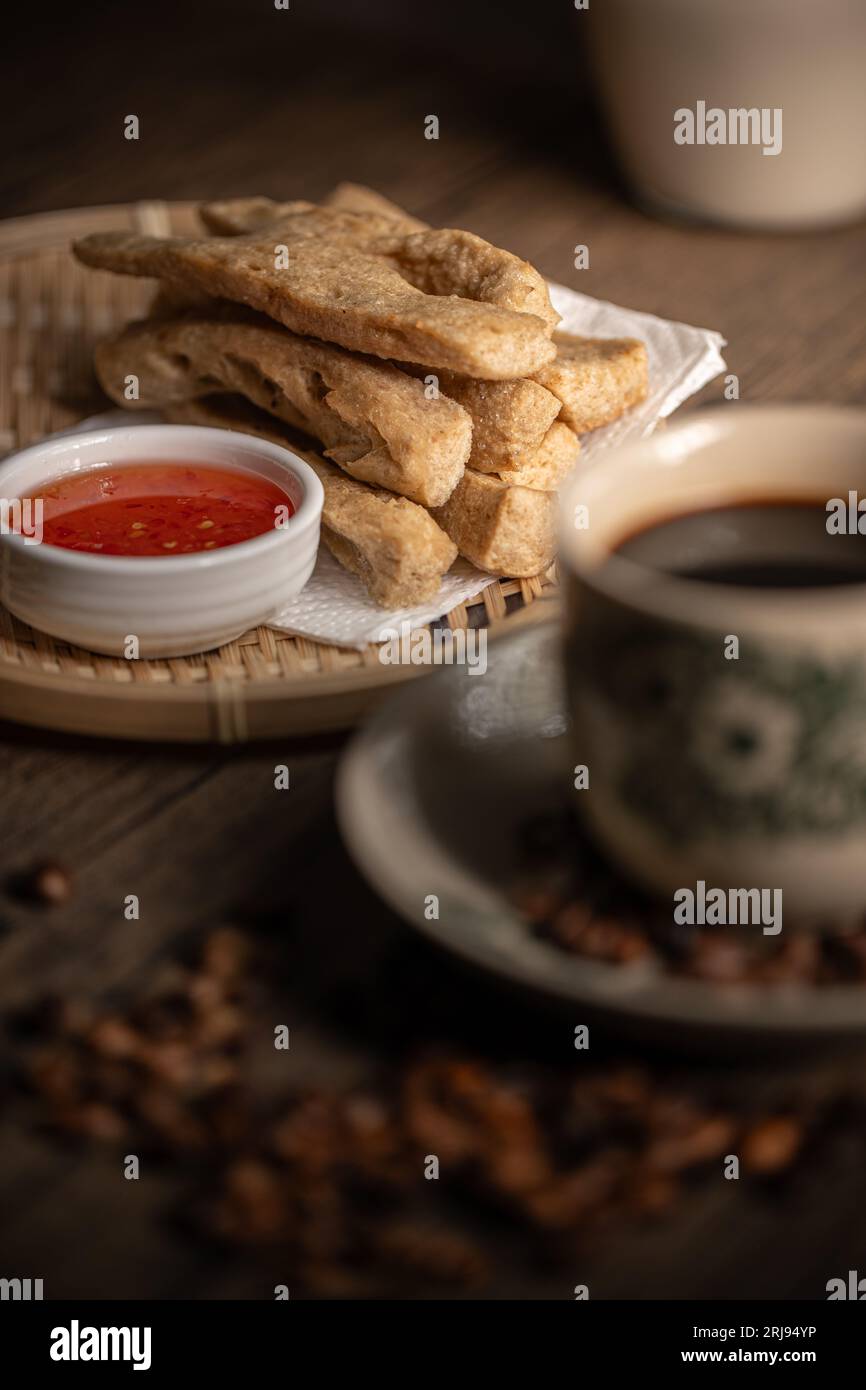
<point>264,685</point>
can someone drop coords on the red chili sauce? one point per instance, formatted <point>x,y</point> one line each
<point>159,508</point>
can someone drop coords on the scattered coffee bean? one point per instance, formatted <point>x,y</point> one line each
<point>253,1207</point>
<point>170,1062</point>
<point>55,1074</point>
<point>337,1181</point>
<point>217,1073</point>
<point>432,1253</point>
<point>225,954</point>
<point>573,1198</point>
<point>572,898</point>
<point>537,902</point>
<point>222,1026</point>
<point>111,1036</point>
<point>708,1138</point>
<point>652,1193</point>
<point>93,1120</point>
<point>771,1145</point>
<point>49,884</point>
<point>205,993</point>
<point>169,1121</point>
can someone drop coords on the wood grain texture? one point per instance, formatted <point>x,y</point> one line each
<point>288,104</point>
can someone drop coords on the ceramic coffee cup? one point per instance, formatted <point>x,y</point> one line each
<point>671,72</point>
<point>740,771</point>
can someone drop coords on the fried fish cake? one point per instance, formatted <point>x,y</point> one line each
<point>505,530</point>
<point>437,261</point>
<point>372,419</point>
<point>407,296</point>
<point>394,546</point>
<point>546,467</point>
<point>510,419</point>
<point>596,379</point>
<point>240,216</point>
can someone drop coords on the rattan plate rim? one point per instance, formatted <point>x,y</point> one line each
<point>265,685</point>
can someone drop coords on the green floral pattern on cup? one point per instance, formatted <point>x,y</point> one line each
<point>771,742</point>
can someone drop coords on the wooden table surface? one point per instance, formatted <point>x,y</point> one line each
<point>232,102</point>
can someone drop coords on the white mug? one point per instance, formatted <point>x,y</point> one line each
<point>800,66</point>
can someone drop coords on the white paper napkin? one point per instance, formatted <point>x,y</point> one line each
<point>334,607</point>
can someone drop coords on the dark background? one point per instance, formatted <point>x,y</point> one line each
<point>238,98</point>
<point>235,97</point>
<point>213,80</point>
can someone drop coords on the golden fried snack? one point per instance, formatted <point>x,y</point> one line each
<point>330,285</point>
<point>436,261</point>
<point>513,432</point>
<point>357,197</point>
<point>596,379</point>
<point>510,419</point>
<point>392,545</point>
<point>373,420</point>
<point>505,530</point>
<point>514,284</point>
<point>241,216</point>
<point>245,217</point>
<point>446,261</point>
<point>551,462</point>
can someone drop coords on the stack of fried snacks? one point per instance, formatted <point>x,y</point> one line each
<point>420,368</point>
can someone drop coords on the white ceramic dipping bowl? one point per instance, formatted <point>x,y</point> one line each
<point>173,605</point>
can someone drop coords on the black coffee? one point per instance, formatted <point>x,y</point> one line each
<point>768,545</point>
